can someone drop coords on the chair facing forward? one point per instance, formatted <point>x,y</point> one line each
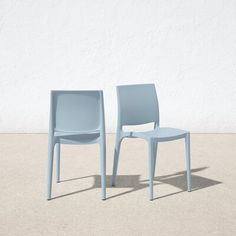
<point>138,104</point>
<point>76,117</point>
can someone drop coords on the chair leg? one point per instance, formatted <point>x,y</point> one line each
<point>58,156</point>
<point>116,160</point>
<point>151,167</point>
<point>188,161</point>
<point>155,147</point>
<point>50,169</point>
<point>103,169</point>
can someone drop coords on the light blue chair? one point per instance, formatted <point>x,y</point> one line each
<point>138,104</point>
<point>76,117</point>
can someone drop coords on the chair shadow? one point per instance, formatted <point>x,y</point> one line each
<point>134,183</point>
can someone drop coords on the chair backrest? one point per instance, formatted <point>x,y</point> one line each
<point>137,104</point>
<point>76,111</point>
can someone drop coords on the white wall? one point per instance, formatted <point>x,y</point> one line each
<point>186,47</point>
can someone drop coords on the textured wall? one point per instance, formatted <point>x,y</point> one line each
<point>187,48</point>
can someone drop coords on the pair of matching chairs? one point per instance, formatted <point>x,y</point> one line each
<point>77,117</point>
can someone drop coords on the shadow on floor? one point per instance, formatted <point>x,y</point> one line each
<point>134,183</point>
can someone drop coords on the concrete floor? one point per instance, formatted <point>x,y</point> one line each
<point>210,209</point>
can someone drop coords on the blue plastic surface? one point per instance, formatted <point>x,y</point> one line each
<point>76,117</point>
<point>138,104</point>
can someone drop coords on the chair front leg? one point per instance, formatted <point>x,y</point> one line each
<point>151,167</point>
<point>188,161</point>
<point>50,168</point>
<point>116,159</point>
<point>58,156</point>
<point>103,168</point>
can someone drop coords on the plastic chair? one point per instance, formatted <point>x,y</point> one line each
<point>138,104</point>
<point>76,117</point>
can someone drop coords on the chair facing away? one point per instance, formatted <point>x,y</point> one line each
<point>76,117</point>
<point>138,104</point>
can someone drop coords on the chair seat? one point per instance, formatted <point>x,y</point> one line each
<point>77,137</point>
<point>162,134</point>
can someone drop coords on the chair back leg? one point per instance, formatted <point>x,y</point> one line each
<point>50,169</point>
<point>151,167</point>
<point>58,161</point>
<point>188,161</point>
<point>155,147</point>
<point>103,168</point>
<point>116,160</point>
